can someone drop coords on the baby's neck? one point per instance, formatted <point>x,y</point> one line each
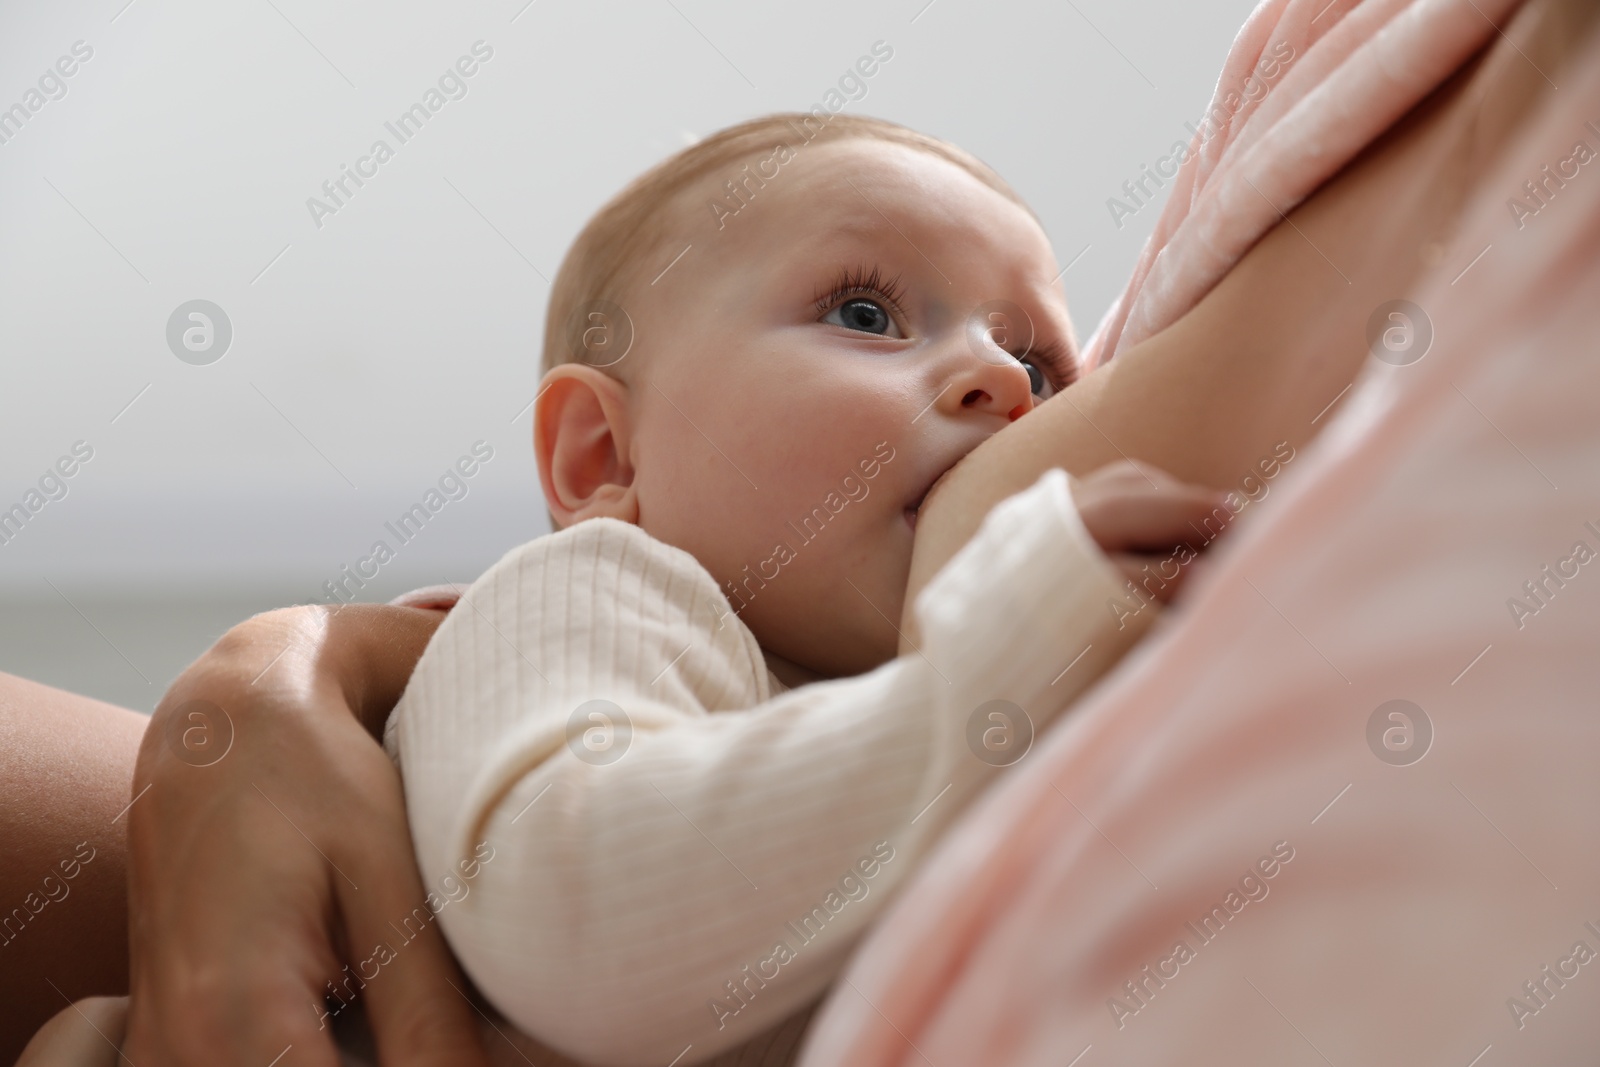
<point>789,673</point>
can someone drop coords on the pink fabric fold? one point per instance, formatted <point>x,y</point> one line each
<point>1430,901</point>
<point>1353,69</point>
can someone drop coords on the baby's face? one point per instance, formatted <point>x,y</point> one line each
<point>808,370</point>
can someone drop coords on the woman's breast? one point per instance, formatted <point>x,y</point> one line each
<point>1283,335</point>
<point>1262,360</point>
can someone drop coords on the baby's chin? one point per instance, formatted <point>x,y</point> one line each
<point>833,663</point>
<point>828,648</point>
<point>828,602</point>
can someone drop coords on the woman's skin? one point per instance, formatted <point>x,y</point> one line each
<point>299,696</point>
<point>1254,363</point>
<point>1264,353</point>
<point>281,805</point>
<point>66,763</point>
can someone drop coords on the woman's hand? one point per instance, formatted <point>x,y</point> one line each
<point>268,845</point>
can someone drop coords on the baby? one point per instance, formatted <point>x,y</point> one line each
<point>663,767</point>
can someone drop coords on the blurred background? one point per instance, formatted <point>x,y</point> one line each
<point>344,360</point>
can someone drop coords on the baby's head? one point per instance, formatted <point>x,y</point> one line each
<point>768,347</point>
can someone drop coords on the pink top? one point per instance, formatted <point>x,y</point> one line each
<point>1336,75</point>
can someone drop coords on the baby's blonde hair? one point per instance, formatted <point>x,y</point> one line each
<point>620,242</point>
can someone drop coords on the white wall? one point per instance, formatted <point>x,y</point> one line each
<point>372,351</point>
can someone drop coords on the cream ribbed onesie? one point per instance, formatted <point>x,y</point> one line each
<point>669,849</point>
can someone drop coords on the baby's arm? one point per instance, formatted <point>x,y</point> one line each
<point>712,878</point>
<point>1146,522</point>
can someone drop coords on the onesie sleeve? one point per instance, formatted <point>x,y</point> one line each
<point>652,855</point>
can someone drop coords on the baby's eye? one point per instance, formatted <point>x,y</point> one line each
<point>863,314</point>
<point>1038,383</point>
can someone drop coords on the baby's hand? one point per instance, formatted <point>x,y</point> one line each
<point>87,1033</point>
<point>1142,516</point>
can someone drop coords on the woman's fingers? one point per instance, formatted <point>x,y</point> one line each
<point>415,996</point>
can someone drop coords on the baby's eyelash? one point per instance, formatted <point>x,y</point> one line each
<point>856,281</point>
<point>1056,359</point>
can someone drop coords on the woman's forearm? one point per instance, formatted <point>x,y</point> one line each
<point>65,765</point>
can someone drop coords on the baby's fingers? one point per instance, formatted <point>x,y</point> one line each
<point>1144,518</point>
<point>1160,577</point>
<point>1128,472</point>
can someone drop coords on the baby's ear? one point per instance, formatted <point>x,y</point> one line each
<point>582,432</point>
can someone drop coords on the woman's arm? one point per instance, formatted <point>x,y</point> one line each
<point>66,763</point>
<point>268,844</point>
